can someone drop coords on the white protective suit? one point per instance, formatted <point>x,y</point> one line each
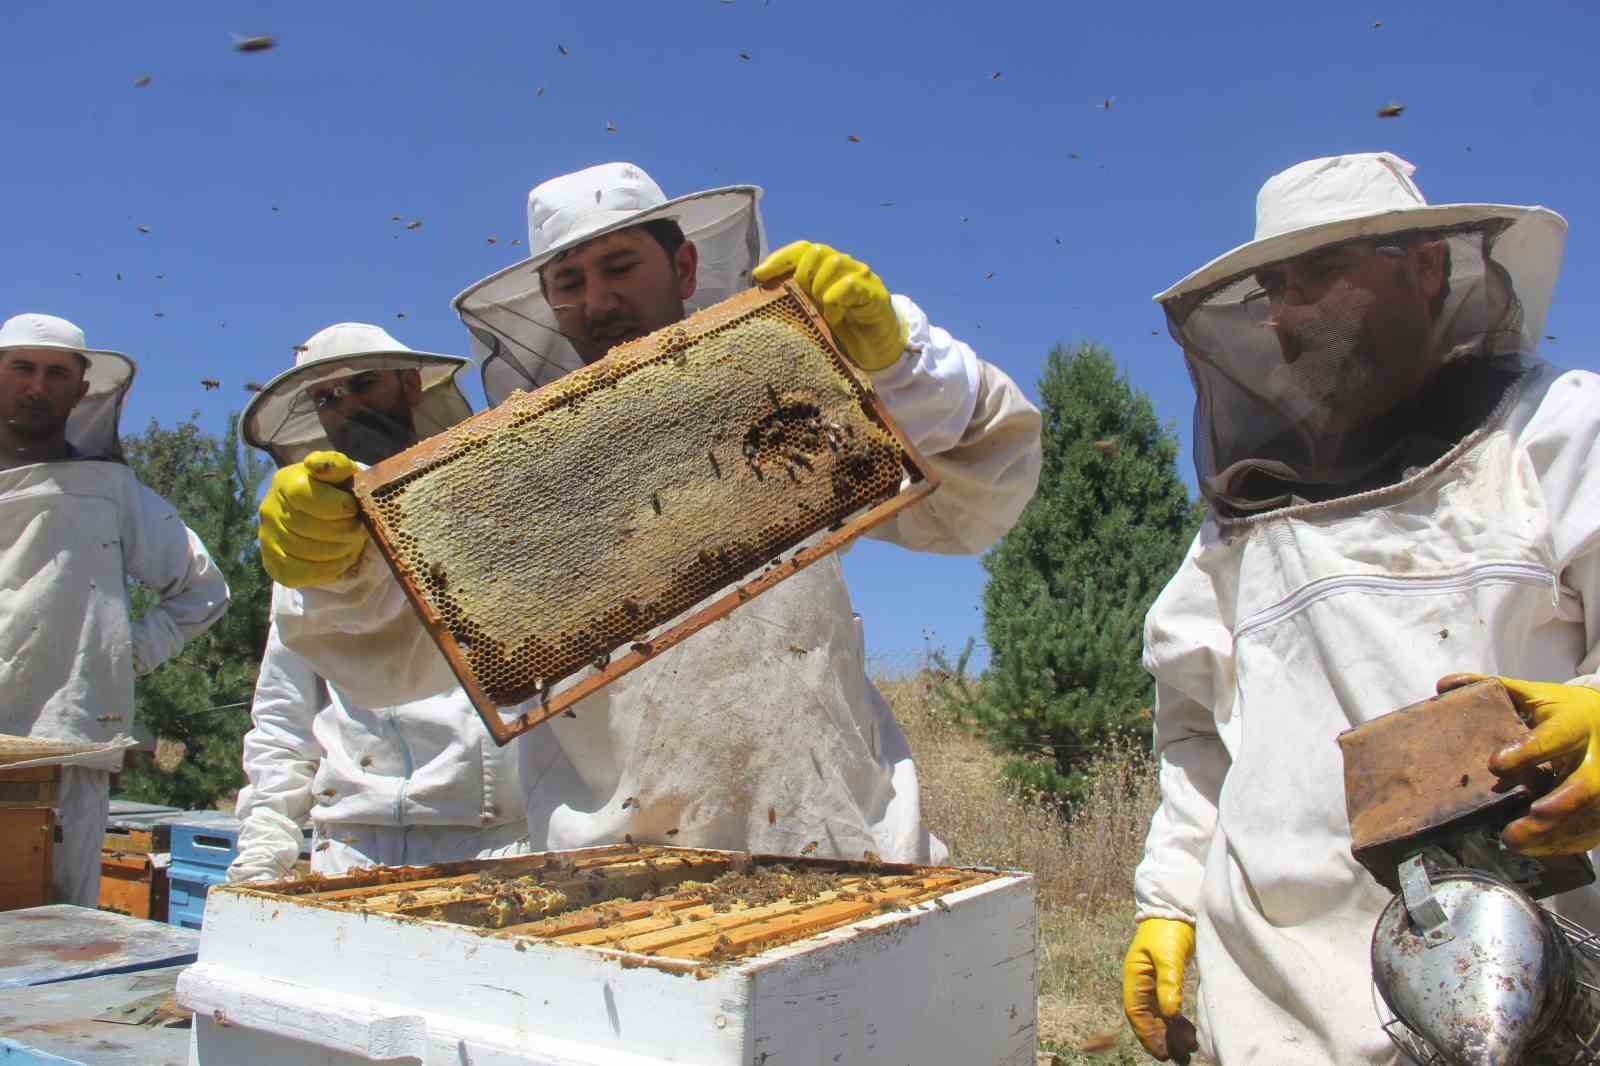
<point>382,782</point>
<point>1286,627</point>
<point>72,534</point>
<point>762,732</point>
<point>404,784</point>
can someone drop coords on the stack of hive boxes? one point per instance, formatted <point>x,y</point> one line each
<point>27,824</point>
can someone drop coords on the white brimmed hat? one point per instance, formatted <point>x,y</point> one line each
<point>1370,194</point>
<point>512,325</point>
<point>282,421</point>
<point>92,426</point>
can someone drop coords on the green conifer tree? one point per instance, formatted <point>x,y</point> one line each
<point>198,703</point>
<point>1070,584</point>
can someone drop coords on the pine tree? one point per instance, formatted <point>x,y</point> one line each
<point>198,703</point>
<point>1070,584</point>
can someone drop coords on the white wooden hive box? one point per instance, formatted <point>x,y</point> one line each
<point>621,956</point>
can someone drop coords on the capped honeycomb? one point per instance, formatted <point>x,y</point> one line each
<point>680,908</point>
<point>539,538</point>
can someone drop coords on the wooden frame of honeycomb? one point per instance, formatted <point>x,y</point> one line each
<point>626,494</point>
<point>682,910</point>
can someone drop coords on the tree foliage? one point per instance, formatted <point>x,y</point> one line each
<point>1070,584</point>
<point>197,704</point>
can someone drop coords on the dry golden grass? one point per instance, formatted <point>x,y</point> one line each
<point>1082,866</point>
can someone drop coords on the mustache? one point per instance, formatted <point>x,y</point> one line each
<point>615,323</point>
<point>370,436</point>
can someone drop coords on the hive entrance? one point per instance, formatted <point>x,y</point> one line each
<point>566,525</point>
<point>677,908</point>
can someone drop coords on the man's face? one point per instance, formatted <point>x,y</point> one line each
<point>368,415</point>
<point>1353,326</point>
<point>618,287</point>
<point>39,387</point>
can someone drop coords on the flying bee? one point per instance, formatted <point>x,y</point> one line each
<point>810,847</point>
<point>210,383</point>
<point>257,42</point>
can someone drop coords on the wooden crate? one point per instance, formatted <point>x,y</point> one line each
<point>27,840</point>
<point>132,884</point>
<point>30,786</point>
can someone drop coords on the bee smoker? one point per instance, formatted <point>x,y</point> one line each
<point>1471,971</point>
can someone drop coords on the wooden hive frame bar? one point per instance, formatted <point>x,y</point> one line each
<point>685,920</point>
<point>614,367</point>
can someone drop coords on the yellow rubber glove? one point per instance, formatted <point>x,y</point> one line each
<point>850,296</point>
<point>1565,734</point>
<point>310,530</point>
<point>1152,988</point>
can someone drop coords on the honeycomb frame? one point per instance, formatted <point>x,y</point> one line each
<point>828,457</point>
<point>682,910</point>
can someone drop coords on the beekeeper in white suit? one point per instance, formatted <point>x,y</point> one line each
<point>383,784</point>
<point>1400,490</point>
<point>764,732</point>
<point>75,526</point>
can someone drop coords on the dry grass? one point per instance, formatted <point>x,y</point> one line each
<point>1082,865</point>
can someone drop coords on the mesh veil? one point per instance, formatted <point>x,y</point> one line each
<point>1298,407</point>
<point>513,329</point>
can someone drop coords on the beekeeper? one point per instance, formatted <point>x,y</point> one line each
<point>75,526</point>
<point>388,783</point>
<point>1399,489</point>
<point>763,733</point>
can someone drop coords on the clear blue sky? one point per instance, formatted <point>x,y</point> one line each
<point>431,111</point>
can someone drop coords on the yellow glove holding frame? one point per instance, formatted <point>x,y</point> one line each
<point>1152,988</point>
<point>1565,721</point>
<point>310,531</point>
<point>851,297</point>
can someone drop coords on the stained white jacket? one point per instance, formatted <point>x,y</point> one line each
<point>71,535</point>
<point>1275,637</point>
<point>312,754</point>
<point>763,732</point>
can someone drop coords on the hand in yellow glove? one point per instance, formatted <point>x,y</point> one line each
<point>851,297</point>
<point>310,533</point>
<point>1152,988</point>
<point>1565,734</point>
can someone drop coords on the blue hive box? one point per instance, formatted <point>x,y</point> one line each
<point>201,853</point>
<point>204,845</point>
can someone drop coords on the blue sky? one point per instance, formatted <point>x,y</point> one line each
<point>268,180</point>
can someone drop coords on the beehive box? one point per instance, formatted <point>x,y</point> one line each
<point>27,842</point>
<point>658,487</point>
<point>30,786</point>
<point>134,883</point>
<point>623,956</point>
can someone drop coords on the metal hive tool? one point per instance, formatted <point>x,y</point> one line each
<point>538,538</point>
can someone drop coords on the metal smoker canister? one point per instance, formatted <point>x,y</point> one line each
<point>1469,970</point>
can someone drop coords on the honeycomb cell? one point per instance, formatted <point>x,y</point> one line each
<point>571,522</point>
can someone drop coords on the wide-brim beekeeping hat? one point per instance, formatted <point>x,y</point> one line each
<point>92,427</point>
<point>282,420</point>
<point>1307,419</point>
<point>512,326</point>
<point>1349,197</point>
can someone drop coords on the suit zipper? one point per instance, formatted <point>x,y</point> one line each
<point>1519,573</point>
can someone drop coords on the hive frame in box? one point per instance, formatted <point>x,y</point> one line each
<point>950,978</point>
<point>917,482</point>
